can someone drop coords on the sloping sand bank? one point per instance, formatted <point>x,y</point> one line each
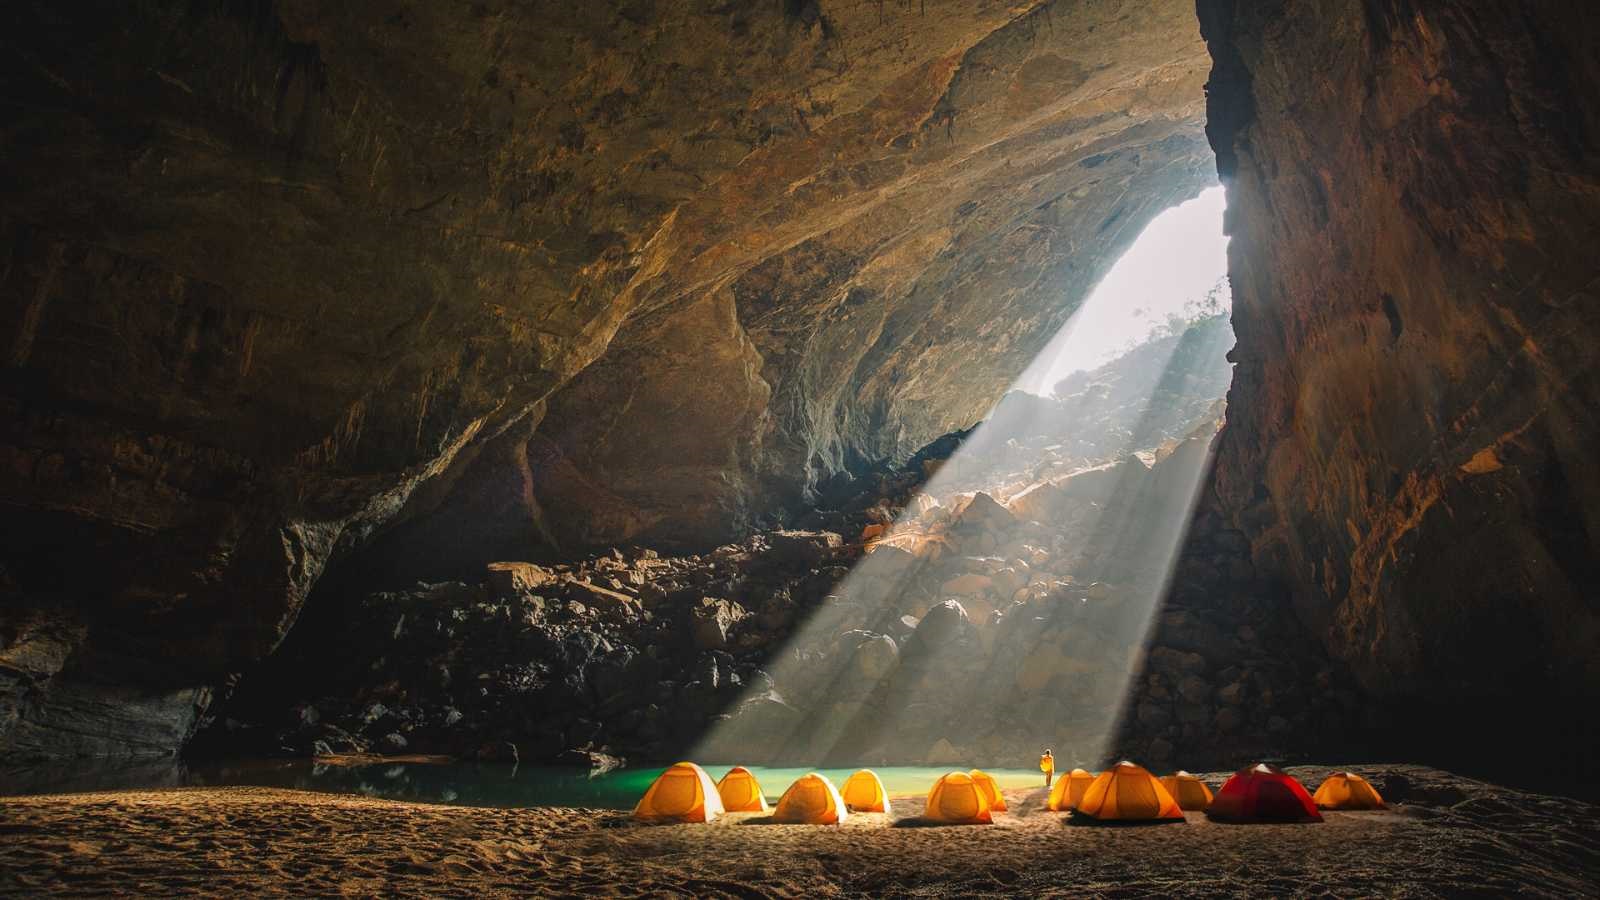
<point>1444,837</point>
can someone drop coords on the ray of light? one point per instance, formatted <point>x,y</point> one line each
<point>876,674</point>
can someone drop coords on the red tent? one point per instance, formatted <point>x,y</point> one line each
<point>1263,794</point>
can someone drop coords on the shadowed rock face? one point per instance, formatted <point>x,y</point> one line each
<point>1414,195</point>
<point>876,280</point>
<point>271,267</point>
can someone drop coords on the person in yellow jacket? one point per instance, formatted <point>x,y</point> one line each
<point>1047,765</point>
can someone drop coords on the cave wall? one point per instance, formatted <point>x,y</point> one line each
<point>879,278</point>
<point>1414,201</point>
<point>905,314</point>
<point>274,267</point>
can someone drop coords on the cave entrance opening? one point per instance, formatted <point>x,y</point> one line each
<point>1008,607</point>
<point>1173,277</point>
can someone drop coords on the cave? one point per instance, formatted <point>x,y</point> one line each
<point>594,386</point>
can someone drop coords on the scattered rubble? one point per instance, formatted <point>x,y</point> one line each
<point>980,615</point>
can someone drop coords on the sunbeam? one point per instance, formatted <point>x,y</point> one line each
<point>1005,610</point>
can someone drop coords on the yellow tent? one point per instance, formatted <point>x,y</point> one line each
<point>740,792</point>
<point>1068,792</point>
<point>957,800</point>
<point>1127,793</point>
<point>811,800</point>
<point>990,789</point>
<point>683,793</point>
<point>1188,790</point>
<point>863,792</point>
<point>1347,790</point>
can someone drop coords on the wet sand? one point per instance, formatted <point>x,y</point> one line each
<point>1445,837</point>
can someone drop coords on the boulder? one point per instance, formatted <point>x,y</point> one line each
<point>984,512</point>
<point>1186,631</point>
<point>759,730</point>
<point>374,713</point>
<point>1103,483</point>
<point>776,612</point>
<point>944,623</point>
<point>714,620</point>
<point>803,547</point>
<point>1195,689</point>
<point>1153,717</point>
<point>1175,664</point>
<point>614,674</point>
<point>604,599</point>
<point>964,585</point>
<point>875,657</point>
<point>506,579</point>
<point>1008,581</point>
<point>887,561</point>
<point>1039,502</point>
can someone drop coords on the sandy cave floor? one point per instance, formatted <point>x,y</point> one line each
<point>1448,837</point>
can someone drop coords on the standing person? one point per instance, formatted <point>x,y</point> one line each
<point>1047,765</point>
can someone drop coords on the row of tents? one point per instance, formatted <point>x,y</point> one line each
<point>1262,793</point>
<point>1126,792</point>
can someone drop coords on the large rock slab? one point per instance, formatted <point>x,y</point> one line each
<point>1410,428</point>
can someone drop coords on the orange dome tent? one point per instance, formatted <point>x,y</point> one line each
<point>1188,790</point>
<point>990,789</point>
<point>957,800</point>
<point>1263,794</point>
<point>1068,792</point>
<point>863,792</point>
<point>683,793</point>
<point>1347,790</point>
<point>740,792</point>
<point>811,800</point>
<point>1127,793</point>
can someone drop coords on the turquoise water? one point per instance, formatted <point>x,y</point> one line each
<point>897,780</point>
<point>466,784</point>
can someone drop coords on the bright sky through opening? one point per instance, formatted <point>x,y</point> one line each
<point>1175,260</point>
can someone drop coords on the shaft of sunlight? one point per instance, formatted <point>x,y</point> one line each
<point>1007,608</point>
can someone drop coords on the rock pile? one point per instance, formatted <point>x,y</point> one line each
<point>633,652</point>
<point>935,611</point>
